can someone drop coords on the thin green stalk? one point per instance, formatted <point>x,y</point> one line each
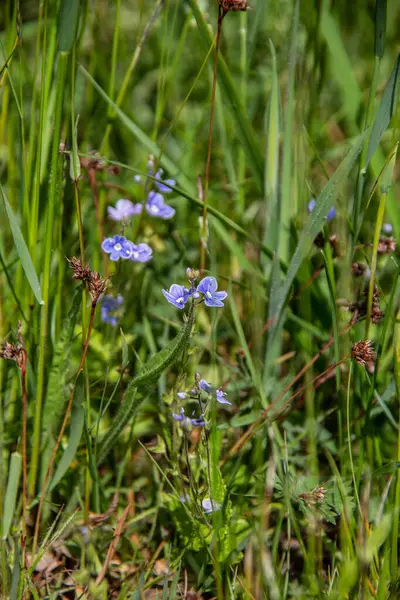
<point>371,287</point>
<point>394,563</point>
<point>134,61</point>
<point>349,438</point>
<point>53,193</point>
<point>241,171</point>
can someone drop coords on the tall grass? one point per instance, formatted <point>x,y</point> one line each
<point>107,490</point>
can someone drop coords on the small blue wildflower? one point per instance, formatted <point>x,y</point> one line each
<point>137,179</point>
<point>109,309</point>
<point>331,214</point>
<point>160,185</point>
<point>187,422</point>
<point>156,206</point>
<point>118,247</point>
<point>387,228</point>
<point>221,397</point>
<point>124,210</point>
<point>141,253</point>
<point>205,386</point>
<point>210,506</point>
<point>177,295</point>
<point>208,286</point>
<point>182,395</point>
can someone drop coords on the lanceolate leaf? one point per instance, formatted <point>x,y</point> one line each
<point>55,397</point>
<point>150,373</point>
<point>314,224</point>
<point>22,250</point>
<point>75,433</point>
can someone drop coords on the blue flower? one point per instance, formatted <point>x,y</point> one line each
<point>182,395</point>
<point>141,253</point>
<point>208,286</point>
<point>221,397</point>
<point>331,214</point>
<point>160,185</point>
<point>187,422</point>
<point>109,308</point>
<point>124,210</point>
<point>156,206</point>
<point>210,506</point>
<point>118,247</point>
<point>205,386</point>
<point>387,228</point>
<point>177,295</point>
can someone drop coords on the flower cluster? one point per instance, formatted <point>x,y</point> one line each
<point>206,387</point>
<point>155,204</point>
<point>119,247</point>
<point>178,295</point>
<point>109,308</point>
<point>187,422</point>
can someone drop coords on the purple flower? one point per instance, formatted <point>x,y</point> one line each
<point>141,253</point>
<point>186,422</point>
<point>160,185</point>
<point>118,247</point>
<point>208,286</point>
<point>221,397</point>
<point>205,386</point>
<point>156,206</point>
<point>331,214</point>
<point>182,395</point>
<point>109,309</point>
<point>177,295</point>
<point>124,210</point>
<point>210,506</point>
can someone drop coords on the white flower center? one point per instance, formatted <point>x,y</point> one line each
<point>135,255</point>
<point>209,294</point>
<point>118,247</point>
<point>180,300</point>
<point>154,209</point>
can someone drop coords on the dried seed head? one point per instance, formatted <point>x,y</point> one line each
<point>376,314</point>
<point>386,245</point>
<point>96,286</point>
<point>79,271</point>
<point>233,5</point>
<point>318,494</point>
<point>359,269</point>
<point>15,352</point>
<point>363,353</point>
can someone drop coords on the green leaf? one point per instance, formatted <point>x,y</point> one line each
<point>380,27</point>
<point>233,103</point>
<point>55,396</point>
<point>314,223</point>
<point>150,373</point>
<point>10,499</point>
<point>22,250</point>
<point>377,538</point>
<point>68,24</point>
<point>386,110</point>
<point>76,428</point>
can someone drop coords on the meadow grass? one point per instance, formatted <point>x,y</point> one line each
<point>176,442</point>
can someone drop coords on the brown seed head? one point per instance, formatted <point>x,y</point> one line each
<point>386,245</point>
<point>233,5</point>
<point>79,271</point>
<point>96,286</point>
<point>363,353</point>
<point>358,269</point>
<point>15,352</point>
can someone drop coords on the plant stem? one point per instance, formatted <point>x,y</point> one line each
<point>203,241</point>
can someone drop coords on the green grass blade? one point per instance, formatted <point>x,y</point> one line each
<point>75,434</point>
<point>68,24</point>
<point>10,499</point>
<point>243,128</point>
<point>315,221</point>
<point>22,250</point>
<point>386,110</point>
